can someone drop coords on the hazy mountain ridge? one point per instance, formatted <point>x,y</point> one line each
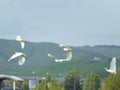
<point>38,60</point>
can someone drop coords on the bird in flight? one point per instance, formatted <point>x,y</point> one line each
<point>112,68</point>
<point>22,57</point>
<point>21,40</point>
<point>68,54</point>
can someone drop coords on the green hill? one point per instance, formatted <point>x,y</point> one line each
<point>85,58</point>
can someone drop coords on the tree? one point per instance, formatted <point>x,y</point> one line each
<point>54,85</point>
<point>72,80</point>
<point>49,84</point>
<point>92,82</point>
<point>25,85</point>
<point>112,82</point>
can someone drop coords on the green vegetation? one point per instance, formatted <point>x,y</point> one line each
<point>49,84</point>
<point>38,61</point>
<point>25,85</point>
<point>92,82</point>
<point>72,80</point>
<point>112,82</point>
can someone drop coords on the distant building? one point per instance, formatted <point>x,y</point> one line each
<point>8,80</point>
<point>96,58</point>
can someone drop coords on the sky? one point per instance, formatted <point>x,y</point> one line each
<point>72,22</point>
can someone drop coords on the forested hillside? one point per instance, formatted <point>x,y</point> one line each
<point>85,58</point>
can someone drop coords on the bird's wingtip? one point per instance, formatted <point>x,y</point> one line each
<point>9,60</point>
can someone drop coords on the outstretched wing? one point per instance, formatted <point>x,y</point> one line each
<point>22,60</point>
<point>17,54</point>
<point>68,52</point>
<point>60,60</point>
<point>51,56</point>
<point>113,64</point>
<point>69,55</point>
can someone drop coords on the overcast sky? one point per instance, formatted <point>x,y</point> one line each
<point>72,22</point>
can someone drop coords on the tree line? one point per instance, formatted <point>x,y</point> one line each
<point>73,80</point>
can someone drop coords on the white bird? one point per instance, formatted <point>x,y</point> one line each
<point>22,57</point>
<point>112,68</point>
<point>21,40</point>
<point>68,55</point>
